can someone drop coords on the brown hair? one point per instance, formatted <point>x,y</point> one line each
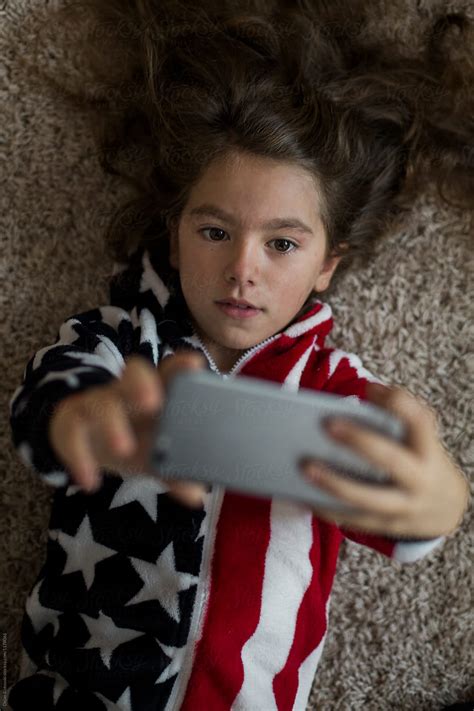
<point>298,82</point>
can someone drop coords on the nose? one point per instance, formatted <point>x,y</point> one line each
<point>243,263</point>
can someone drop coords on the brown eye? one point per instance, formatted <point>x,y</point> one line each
<point>279,239</point>
<point>216,229</point>
<point>287,242</point>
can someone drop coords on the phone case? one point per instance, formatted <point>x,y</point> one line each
<point>248,435</point>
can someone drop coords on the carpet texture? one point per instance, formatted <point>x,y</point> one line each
<point>400,636</point>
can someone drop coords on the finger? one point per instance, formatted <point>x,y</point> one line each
<point>181,360</point>
<point>140,385</point>
<point>75,451</point>
<point>379,450</point>
<point>378,501</point>
<point>418,415</point>
<point>110,426</point>
<point>189,493</point>
<point>367,523</point>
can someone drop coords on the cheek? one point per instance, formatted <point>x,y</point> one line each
<point>291,281</point>
<point>205,266</point>
<point>198,279</point>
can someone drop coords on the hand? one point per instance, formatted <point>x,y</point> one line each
<point>111,426</point>
<point>429,495</point>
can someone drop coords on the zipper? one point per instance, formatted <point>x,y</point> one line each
<point>216,496</point>
<point>181,683</point>
<point>243,358</point>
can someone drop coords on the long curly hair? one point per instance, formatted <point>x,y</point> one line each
<point>300,82</point>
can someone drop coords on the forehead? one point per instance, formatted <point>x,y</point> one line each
<point>275,223</point>
<point>256,189</point>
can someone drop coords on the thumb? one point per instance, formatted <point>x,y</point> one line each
<point>180,360</point>
<point>189,359</point>
<point>191,356</point>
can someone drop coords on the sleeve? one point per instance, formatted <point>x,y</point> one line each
<point>349,378</point>
<point>90,350</point>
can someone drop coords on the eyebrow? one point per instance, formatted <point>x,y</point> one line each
<point>278,223</point>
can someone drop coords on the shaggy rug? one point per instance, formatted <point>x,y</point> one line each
<point>401,636</point>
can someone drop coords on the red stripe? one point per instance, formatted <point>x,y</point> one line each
<point>311,620</point>
<point>233,610</point>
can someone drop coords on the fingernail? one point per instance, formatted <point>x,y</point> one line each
<point>313,473</point>
<point>375,390</point>
<point>91,488</point>
<point>336,427</point>
<point>125,445</point>
<point>148,399</point>
<point>307,467</point>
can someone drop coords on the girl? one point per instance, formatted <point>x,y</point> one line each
<point>270,147</point>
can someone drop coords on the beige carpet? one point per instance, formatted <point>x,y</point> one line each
<point>401,636</point>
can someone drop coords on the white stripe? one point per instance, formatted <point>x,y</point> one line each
<point>355,362</point>
<point>306,674</point>
<point>292,380</point>
<point>287,575</point>
<point>307,670</point>
<point>300,327</point>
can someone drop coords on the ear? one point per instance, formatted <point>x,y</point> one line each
<point>325,275</point>
<point>174,243</point>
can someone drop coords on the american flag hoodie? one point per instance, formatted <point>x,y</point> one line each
<point>142,603</point>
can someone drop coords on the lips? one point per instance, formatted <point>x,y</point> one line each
<point>242,304</point>
<point>237,312</point>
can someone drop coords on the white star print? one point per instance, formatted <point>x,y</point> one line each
<point>56,478</point>
<point>70,376</point>
<point>73,489</point>
<point>60,684</point>
<point>40,616</point>
<point>106,636</point>
<point>122,704</point>
<point>207,500</point>
<point>105,354</point>
<point>176,655</point>
<point>27,665</point>
<point>140,488</point>
<point>83,553</point>
<point>162,581</point>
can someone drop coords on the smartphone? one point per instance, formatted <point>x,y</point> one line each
<point>248,435</point>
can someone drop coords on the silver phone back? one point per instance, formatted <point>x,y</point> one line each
<point>248,435</point>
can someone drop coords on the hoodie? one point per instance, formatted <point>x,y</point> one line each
<point>141,602</point>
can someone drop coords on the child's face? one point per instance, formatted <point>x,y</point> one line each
<point>242,259</point>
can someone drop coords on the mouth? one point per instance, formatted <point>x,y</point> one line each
<point>238,306</point>
<point>237,311</point>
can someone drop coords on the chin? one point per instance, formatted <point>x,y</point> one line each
<point>236,343</point>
